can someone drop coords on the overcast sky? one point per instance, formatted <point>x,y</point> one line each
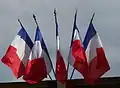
<point>106,22</point>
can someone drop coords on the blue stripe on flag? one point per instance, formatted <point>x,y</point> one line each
<point>24,35</point>
<point>90,33</point>
<point>38,37</point>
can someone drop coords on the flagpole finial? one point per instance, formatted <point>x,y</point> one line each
<point>75,16</point>
<point>92,17</point>
<point>55,18</point>
<point>76,9</point>
<point>20,22</point>
<point>55,12</point>
<point>35,19</point>
<point>34,16</point>
<point>76,13</point>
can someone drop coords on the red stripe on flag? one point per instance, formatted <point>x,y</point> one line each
<point>80,58</point>
<point>12,60</point>
<point>97,67</point>
<point>35,71</point>
<point>102,60</point>
<point>61,73</point>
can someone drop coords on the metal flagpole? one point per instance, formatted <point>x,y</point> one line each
<point>20,23</point>
<point>49,56</point>
<point>59,84</point>
<point>74,27</point>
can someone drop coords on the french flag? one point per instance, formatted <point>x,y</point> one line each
<point>18,53</point>
<point>61,72</point>
<point>39,64</point>
<point>77,57</point>
<point>98,63</point>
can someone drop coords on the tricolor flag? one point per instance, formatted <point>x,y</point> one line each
<point>77,57</point>
<point>38,65</point>
<point>61,73</point>
<point>98,63</point>
<point>18,53</point>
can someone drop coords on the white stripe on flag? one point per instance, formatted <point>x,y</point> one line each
<point>23,50</point>
<point>94,43</point>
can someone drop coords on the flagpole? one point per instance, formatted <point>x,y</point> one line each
<point>67,69</point>
<point>59,84</point>
<point>50,77</point>
<point>56,25</point>
<point>20,23</point>
<point>74,68</point>
<point>74,26</point>
<point>49,57</point>
<point>72,73</point>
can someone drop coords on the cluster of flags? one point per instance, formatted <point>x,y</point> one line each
<point>32,60</point>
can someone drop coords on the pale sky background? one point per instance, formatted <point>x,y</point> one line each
<point>106,22</point>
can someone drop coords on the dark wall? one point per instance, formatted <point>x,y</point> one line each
<point>45,84</point>
<point>112,82</point>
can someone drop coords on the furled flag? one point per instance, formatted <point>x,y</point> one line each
<point>61,73</point>
<point>38,65</point>
<point>98,63</point>
<point>77,57</point>
<point>18,53</point>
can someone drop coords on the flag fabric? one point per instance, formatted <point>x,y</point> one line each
<point>98,63</point>
<point>38,65</point>
<point>61,73</point>
<point>18,53</point>
<point>77,57</point>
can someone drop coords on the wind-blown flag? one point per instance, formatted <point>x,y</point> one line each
<point>98,63</point>
<point>61,73</point>
<point>77,57</point>
<point>18,53</point>
<point>38,65</point>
